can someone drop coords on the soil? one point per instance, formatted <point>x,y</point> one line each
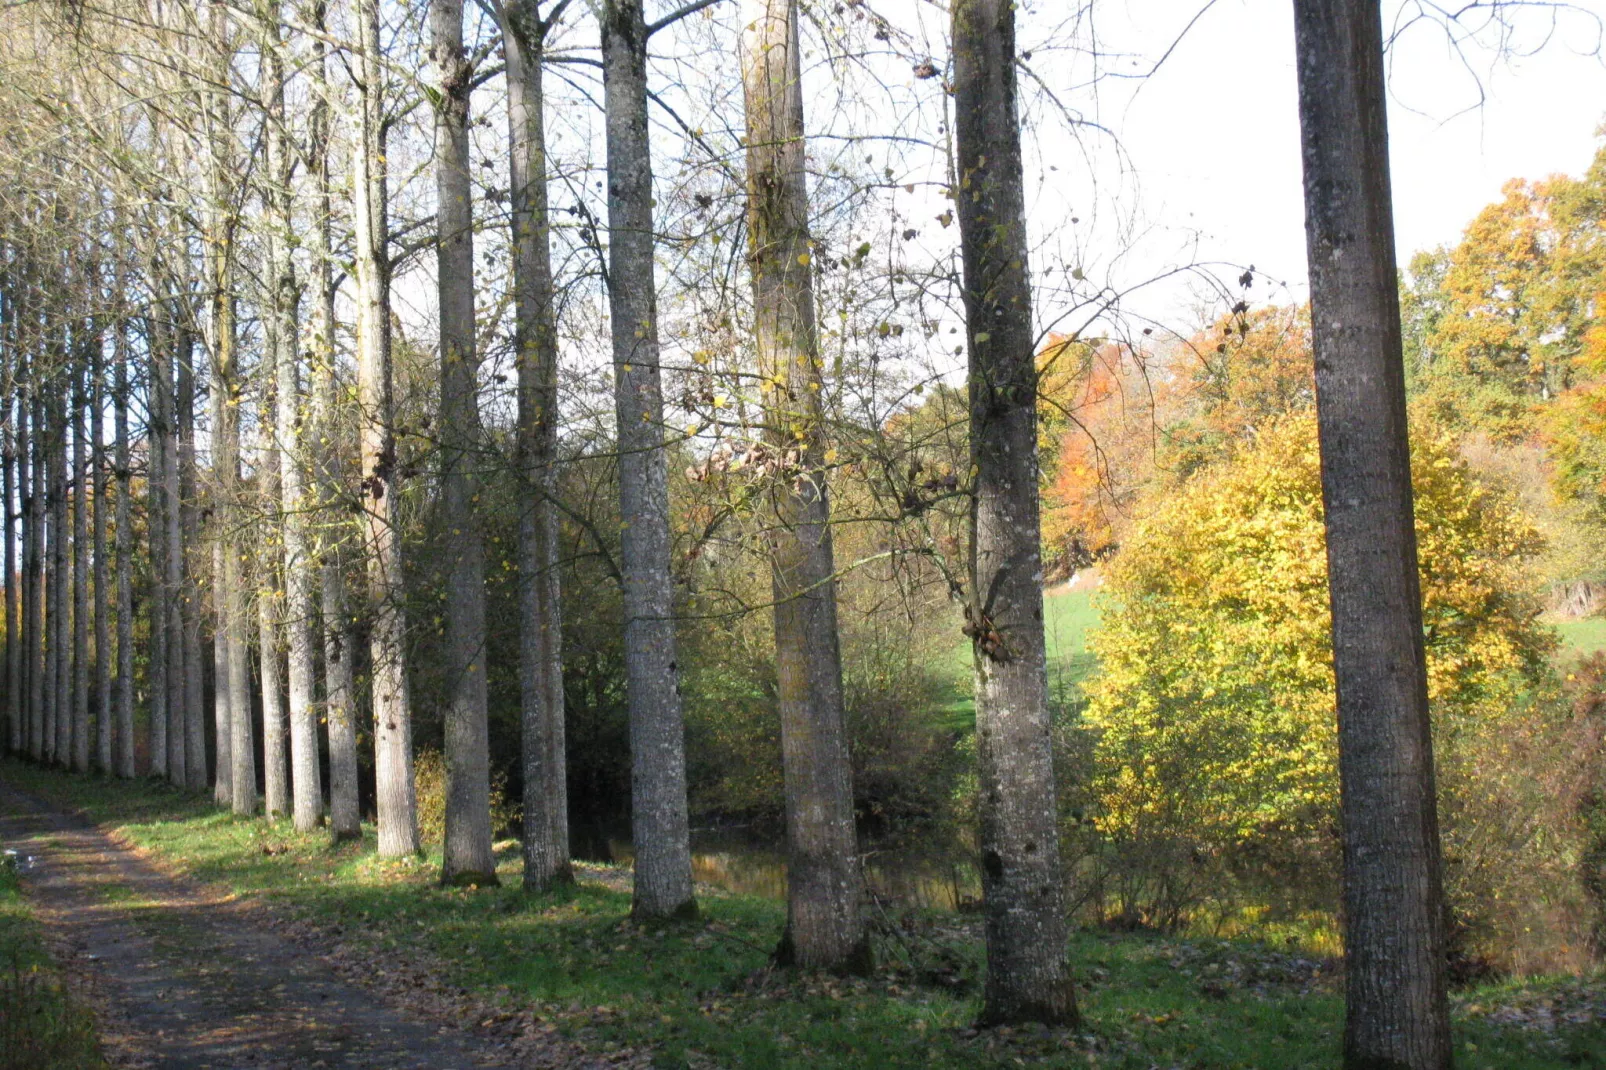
<point>183,975</point>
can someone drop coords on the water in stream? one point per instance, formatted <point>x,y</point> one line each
<point>746,865</point>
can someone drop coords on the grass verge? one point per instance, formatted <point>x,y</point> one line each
<point>700,994</point>
<point>41,1027</point>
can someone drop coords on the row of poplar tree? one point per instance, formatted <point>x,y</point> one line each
<point>133,291</point>
<point>141,295</point>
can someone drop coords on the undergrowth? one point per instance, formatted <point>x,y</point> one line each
<point>41,1027</point>
<point>702,994</point>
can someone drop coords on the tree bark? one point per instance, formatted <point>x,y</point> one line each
<point>27,630</point>
<point>8,469</point>
<point>306,776</point>
<point>81,748</point>
<point>825,927</point>
<point>467,857</point>
<point>61,579</point>
<point>160,405</point>
<point>1394,942</point>
<point>103,641</point>
<point>48,432</point>
<point>393,731</point>
<point>222,718</point>
<point>285,631</point>
<point>125,562</point>
<point>242,748</point>
<point>333,518</point>
<point>659,823</point>
<point>1028,977</point>
<point>188,540</point>
<point>170,552</point>
<point>234,679</point>
<point>270,656</point>
<point>546,811</point>
<point>178,741</point>
<point>37,660</point>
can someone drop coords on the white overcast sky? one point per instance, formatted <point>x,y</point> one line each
<point>1213,136</point>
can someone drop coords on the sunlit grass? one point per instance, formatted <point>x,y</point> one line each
<point>1585,636</point>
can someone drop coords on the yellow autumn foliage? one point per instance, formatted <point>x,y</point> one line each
<point>1213,710</point>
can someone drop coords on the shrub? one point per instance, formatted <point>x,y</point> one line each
<point>42,1028</point>
<point>1214,754</point>
<point>429,781</point>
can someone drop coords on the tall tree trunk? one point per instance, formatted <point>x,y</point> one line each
<point>104,729</point>
<point>272,458</point>
<point>178,742</point>
<point>242,743</point>
<point>222,690</point>
<point>222,717</point>
<point>546,811</point>
<point>169,763</point>
<point>167,555</point>
<point>467,856</point>
<point>125,561</point>
<point>242,746</point>
<point>1028,977</point>
<point>825,926</point>
<point>26,629</point>
<point>235,745</point>
<point>80,573</point>
<point>61,580</point>
<point>38,662</point>
<point>234,679</point>
<point>187,538</point>
<point>1394,942</point>
<point>270,602</point>
<point>270,655</point>
<point>306,777</point>
<point>393,729</point>
<point>659,823</point>
<point>8,481</point>
<point>333,523</point>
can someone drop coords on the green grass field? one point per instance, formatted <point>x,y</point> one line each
<point>700,994</point>
<point>1067,618</point>
<point>1580,637</point>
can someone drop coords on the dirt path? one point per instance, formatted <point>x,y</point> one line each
<point>179,977</point>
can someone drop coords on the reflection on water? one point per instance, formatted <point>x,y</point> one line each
<point>899,877</point>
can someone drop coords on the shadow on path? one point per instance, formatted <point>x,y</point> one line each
<point>181,978</point>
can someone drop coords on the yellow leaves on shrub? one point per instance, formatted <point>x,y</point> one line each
<point>1214,704</point>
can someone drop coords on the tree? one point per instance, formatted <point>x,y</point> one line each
<point>267,562</point>
<point>392,701</point>
<point>80,540</point>
<point>36,509</point>
<point>103,641</point>
<point>467,857</point>
<point>1575,427</point>
<point>1028,978</point>
<point>282,713</point>
<point>8,475</point>
<point>1395,1008</point>
<point>825,888</point>
<point>58,613</point>
<point>333,524</point>
<point>659,823</point>
<point>546,811</point>
<point>125,555</point>
<point>166,472</point>
<point>167,748</point>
